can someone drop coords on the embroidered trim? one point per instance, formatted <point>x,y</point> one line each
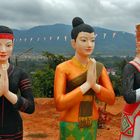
<point>135,64</point>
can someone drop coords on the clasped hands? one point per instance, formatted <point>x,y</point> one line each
<point>4,82</point>
<point>91,76</point>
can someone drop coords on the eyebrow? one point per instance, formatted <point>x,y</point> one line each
<point>87,37</point>
<point>9,42</point>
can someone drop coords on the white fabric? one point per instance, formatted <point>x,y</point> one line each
<point>138,90</point>
<point>138,95</point>
<point>137,60</point>
<point>125,138</point>
<point>136,131</point>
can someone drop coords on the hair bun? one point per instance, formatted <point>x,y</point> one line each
<point>77,21</point>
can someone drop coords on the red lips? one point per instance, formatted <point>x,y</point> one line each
<point>3,54</point>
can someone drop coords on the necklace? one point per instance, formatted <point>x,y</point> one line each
<point>5,66</point>
<point>79,64</point>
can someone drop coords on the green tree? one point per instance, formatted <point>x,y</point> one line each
<point>43,82</point>
<point>43,79</point>
<point>53,60</point>
<point>117,78</point>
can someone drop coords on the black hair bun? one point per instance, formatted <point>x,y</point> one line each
<point>77,21</point>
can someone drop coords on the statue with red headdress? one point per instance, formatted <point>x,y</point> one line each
<point>12,80</point>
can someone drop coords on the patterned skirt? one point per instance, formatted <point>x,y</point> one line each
<point>71,131</point>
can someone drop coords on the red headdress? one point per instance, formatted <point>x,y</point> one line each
<point>6,33</point>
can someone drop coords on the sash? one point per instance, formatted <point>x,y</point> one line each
<point>86,105</point>
<point>135,64</point>
<point>128,122</point>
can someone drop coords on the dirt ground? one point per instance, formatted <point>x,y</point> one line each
<point>43,124</point>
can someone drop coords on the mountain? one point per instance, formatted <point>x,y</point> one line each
<point>56,39</point>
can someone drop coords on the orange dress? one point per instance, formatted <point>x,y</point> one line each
<point>68,103</point>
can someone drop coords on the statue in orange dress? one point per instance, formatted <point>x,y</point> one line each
<point>77,82</point>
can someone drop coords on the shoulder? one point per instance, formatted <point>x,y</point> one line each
<point>99,64</point>
<point>129,70</point>
<point>18,72</point>
<point>64,65</point>
<point>129,67</point>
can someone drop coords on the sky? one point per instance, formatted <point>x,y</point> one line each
<point>118,15</point>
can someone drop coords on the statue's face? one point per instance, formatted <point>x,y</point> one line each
<point>6,48</point>
<point>85,43</point>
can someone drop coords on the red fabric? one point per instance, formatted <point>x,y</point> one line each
<point>135,64</point>
<point>6,36</point>
<point>130,108</point>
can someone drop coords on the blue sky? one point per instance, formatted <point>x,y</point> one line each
<point>119,15</point>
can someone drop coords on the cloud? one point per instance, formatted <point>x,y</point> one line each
<point>116,15</point>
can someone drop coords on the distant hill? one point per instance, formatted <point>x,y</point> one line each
<point>56,39</point>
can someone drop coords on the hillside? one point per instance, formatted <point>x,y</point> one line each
<point>56,39</point>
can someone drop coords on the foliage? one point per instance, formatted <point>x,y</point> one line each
<point>53,60</point>
<point>43,79</point>
<point>117,78</point>
<point>43,82</point>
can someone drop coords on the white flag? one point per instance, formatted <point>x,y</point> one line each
<point>38,39</point>
<point>44,38</point>
<point>104,35</point>
<point>96,35</point>
<point>57,37</point>
<point>65,37</point>
<point>114,34</point>
<point>31,39</point>
<point>25,39</point>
